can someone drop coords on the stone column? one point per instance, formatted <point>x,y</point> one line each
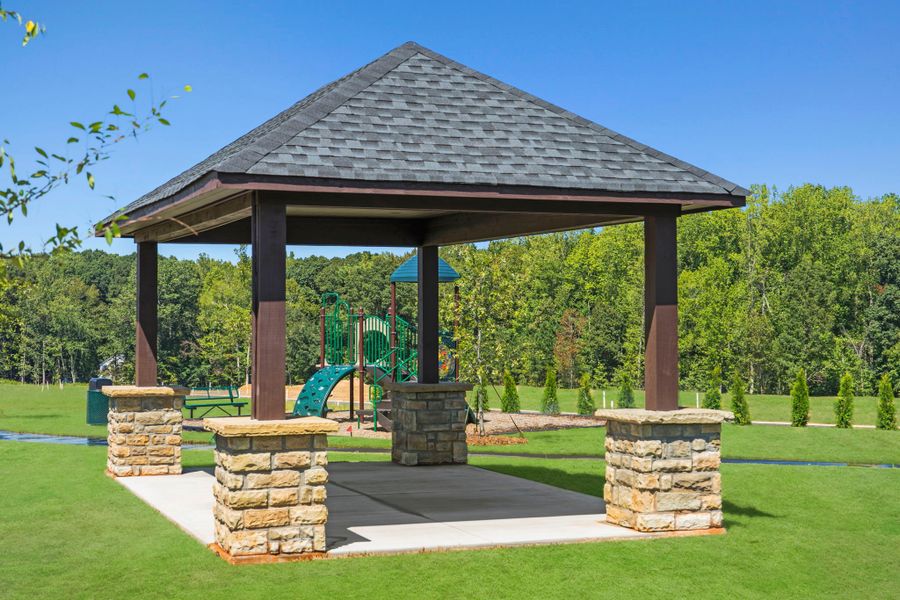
<point>662,469</point>
<point>144,430</point>
<point>270,488</point>
<point>429,423</point>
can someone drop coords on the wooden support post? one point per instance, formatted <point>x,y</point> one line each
<point>661,312</point>
<point>268,225</point>
<point>394,330</point>
<point>428,314</point>
<point>146,324</point>
<point>362,361</point>
<point>456,331</point>
<point>352,381</point>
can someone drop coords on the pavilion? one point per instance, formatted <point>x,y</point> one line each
<point>415,150</point>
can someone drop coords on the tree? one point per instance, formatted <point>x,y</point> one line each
<point>565,349</point>
<point>887,411</point>
<point>800,401</point>
<point>738,402</point>
<point>626,393</point>
<point>509,403</point>
<point>713,397</point>
<point>585,399</point>
<point>549,401</point>
<point>843,405</point>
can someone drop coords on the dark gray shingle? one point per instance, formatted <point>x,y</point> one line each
<point>414,115</point>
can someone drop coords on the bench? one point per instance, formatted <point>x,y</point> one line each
<point>206,398</point>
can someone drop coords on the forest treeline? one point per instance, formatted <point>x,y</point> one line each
<point>808,278</point>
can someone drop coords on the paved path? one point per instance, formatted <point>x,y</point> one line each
<point>386,508</point>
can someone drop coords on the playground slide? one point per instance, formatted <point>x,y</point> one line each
<point>311,400</point>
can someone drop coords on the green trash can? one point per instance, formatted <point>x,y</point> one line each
<point>97,402</point>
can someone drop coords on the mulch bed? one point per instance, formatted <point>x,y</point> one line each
<point>494,440</point>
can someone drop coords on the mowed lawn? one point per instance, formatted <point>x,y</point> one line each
<point>793,532</point>
<point>27,408</point>
<point>763,407</point>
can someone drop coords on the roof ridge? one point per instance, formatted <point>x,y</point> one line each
<point>703,174</point>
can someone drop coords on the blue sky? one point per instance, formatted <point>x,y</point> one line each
<point>758,92</point>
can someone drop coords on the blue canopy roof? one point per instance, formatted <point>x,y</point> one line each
<point>408,272</point>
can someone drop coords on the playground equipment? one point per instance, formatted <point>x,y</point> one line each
<point>382,348</point>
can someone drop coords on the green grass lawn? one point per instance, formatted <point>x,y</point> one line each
<point>763,407</point>
<point>793,532</point>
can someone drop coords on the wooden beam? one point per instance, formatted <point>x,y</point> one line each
<point>321,231</point>
<point>428,314</point>
<point>464,228</point>
<point>214,183</point>
<point>198,221</point>
<point>661,312</point>
<point>146,325</point>
<point>268,319</point>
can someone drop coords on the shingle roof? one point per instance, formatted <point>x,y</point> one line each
<point>416,116</point>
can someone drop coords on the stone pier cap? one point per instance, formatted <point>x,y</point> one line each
<point>682,416</point>
<point>426,388</point>
<point>250,427</point>
<point>135,391</point>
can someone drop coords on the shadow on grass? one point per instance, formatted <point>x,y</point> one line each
<point>730,510</point>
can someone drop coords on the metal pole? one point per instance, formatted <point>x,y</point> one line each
<point>394,330</point>
<point>362,362</point>
<point>322,337</point>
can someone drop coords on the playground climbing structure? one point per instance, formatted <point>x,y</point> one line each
<point>367,347</point>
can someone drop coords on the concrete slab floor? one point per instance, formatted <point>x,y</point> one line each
<point>377,508</point>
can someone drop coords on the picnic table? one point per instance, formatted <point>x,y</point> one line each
<point>214,398</point>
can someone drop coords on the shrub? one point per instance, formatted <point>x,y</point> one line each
<point>713,397</point>
<point>738,402</point>
<point>585,399</point>
<point>509,403</point>
<point>800,401</point>
<point>626,394</point>
<point>550,401</point>
<point>843,406</point>
<point>887,411</point>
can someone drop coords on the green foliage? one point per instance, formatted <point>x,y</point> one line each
<point>800,401</point>
<point>843,405</point>
<point>713,397</point>
<point>585,399</point>
<point>626,392</point>
<point>739,405</point>
<point>550,401</point>
<point>887,410</point>
<point>509,403</point>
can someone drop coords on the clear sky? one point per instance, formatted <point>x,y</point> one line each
<point>758,92</point>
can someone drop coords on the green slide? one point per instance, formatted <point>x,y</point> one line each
<point>311,402</point>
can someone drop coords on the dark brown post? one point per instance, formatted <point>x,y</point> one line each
<point>428,314</point>
<point>393,330</point>
<point>661,312</point>
<point>351,393</point>
<point>268,230</point>
<point>322,337</point>
<point>362,361</point>
<point>456,331</point>
<point>146,322</point>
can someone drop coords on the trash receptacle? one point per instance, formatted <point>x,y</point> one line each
<point>97,403</point>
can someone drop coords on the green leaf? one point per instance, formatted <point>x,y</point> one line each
<point>108,234</point>
<point>131,94</point>
<point>72,140</point>
<point>76,124</point>
<point>143,76</point>
<point>188,88</point>
<point>164,121</point>
<point>40,151</point>
<point>90,180</point>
